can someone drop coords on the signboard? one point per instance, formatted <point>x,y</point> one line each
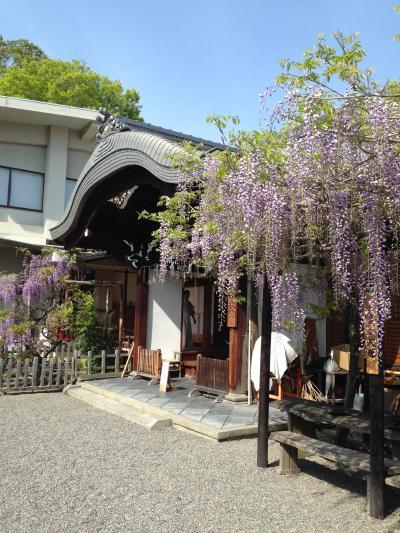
<point>164,376</point>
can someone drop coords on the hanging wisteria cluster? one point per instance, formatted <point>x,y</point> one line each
<point>333,201</point>
<point>27,298</point>
<point>345,177</point>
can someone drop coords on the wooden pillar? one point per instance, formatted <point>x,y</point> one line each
<point>252,332</point>
<point>263,402</point>
<point>121,318</point>
<point>107,307</point>
<point>377,466</point>
<point>207,317</point>
<point>142,293</point>
<point>236,323</point>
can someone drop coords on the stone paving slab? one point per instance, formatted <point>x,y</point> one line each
<point>220,420</point>
<point>119,409</point>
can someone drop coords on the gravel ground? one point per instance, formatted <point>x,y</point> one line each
<point>68,467</point>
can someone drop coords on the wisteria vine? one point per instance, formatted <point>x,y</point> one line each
<point>27,298</point>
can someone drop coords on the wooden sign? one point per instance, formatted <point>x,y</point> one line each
<point>231,319</point>
<point>164,376</point>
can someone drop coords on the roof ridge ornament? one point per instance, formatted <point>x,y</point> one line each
<point>121,200</point>
<point>109,124</point>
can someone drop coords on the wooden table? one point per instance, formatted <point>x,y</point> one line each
<point>303,419</point>
<point>306,415</point>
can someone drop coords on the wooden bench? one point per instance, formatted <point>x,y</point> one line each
<point>211,377</point>
<point>148,365</point>
<point>352,460</point>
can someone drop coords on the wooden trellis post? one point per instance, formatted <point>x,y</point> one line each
<point>377,464</point>
<point>263,401</point>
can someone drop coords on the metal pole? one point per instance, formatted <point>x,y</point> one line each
<point>263,402</point>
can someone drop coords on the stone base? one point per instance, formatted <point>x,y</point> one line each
<point>235,397</point>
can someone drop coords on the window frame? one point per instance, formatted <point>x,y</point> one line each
<point>10,169</point>
<point>73,190</point>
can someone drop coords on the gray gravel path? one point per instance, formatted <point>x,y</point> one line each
<point>67,467</point>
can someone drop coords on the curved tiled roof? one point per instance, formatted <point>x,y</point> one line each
<point>115,152</point>
<point>203,144</point>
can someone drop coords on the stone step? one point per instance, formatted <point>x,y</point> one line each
<point>117,408</point>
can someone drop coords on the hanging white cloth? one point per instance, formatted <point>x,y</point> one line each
<point>282,354</point>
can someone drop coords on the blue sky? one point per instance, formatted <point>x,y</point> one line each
<point>192,59</point>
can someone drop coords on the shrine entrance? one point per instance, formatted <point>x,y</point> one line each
<point>128,172</point>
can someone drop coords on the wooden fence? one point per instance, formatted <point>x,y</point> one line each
<point>19,374</point>
<point>37,374</point>
<point>104,365</point>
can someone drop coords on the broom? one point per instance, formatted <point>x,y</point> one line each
<point>309,391</point>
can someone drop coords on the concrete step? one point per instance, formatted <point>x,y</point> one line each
<point>119,409</point>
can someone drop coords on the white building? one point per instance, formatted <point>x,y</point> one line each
<point>43,148</point>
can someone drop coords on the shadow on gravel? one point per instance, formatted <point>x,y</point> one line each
<point>355,485</point>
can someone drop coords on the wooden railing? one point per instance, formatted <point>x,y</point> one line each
<point>90,366</point>
<point>212,375</point>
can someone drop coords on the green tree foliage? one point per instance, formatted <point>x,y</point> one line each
<point>78,319</point>
<point>16,52</point>
<point>26,72</point>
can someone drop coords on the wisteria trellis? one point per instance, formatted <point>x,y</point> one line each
<point>333,201</point>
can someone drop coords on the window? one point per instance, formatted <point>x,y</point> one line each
<point>69,189</point>
<point>21,189</point>
<point>4,177</point>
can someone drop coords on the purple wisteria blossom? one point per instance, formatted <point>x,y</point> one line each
<point>330,198</point>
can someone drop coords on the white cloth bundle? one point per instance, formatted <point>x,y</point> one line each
<point>282,354</point>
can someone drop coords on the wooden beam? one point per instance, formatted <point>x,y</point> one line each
<point>142,294</point>
<point>237,324</point>
<point>121,318</point>
<point>263,403</point>
<point>207,317</point>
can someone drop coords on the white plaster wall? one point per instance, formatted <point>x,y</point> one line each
<point>56,151</point>
<point>56,171</point>
<point>75,142</point>
<point>164,315</point>
<point>21,225</point>
<point>76,160</point>
<point>23,156</point>
<point>33,134</point>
